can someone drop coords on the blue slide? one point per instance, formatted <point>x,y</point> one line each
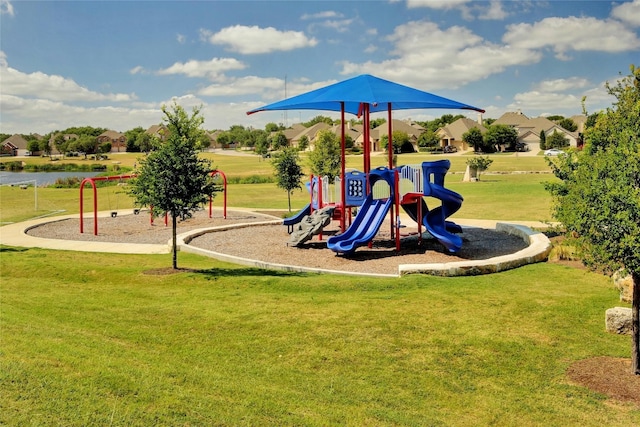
<point>412,210</point>
<point>364,227</point>
<point>435,220</point>
<point>295,219</point>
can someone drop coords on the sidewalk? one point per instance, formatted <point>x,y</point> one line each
<point>15,235</point>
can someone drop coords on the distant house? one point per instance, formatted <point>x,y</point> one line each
<point>15,145</point>
<point>159,131</point>
<point>451,134</point>
<point>529,130</point>
<point>412,129</point>
<point>118,140</point>
<point>311,133</point>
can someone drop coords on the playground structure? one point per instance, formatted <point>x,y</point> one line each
<point>385,191</point>
<point>92,182</point>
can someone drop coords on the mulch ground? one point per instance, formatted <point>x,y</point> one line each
<point>610,376</point>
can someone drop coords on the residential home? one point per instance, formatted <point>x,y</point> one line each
<point>159,131</point>
<point>412,129</point>
<point>15,145</point>
<point>451,134</point>
<point>581,121</point>
<point>311,133</point>
<point>513,119</point>
<point>118,140</point>
<point>353,131</point>
<point>529,130</point>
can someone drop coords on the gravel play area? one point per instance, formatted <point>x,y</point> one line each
<point>270,242</point>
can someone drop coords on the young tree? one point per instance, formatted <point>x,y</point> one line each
<point>473,137</point>
<point>543,140</point>
<point>556,140</point>
<point>325,157</point>
<point>500,136</point>
<point>279,141</point>
<point>288,171</point>
<point>400,141</point>
<point>303,144</point>
<point>428,139</point>
<point>598,198</point>
<point>173,179</point>
<point>479,163</point>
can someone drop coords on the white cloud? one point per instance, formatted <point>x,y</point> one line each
<point>560,85</point>
<point>255,40</point>
<point>211,69</point>
<point>181,38</point>
<point>138,70</point>
<point>628,12</point>
<point>572,34</point>
<point>430,57</point>
<point>243,86</point>
<point>493,12</point>
<point>321,15</point>
<point>52,87</point>
<point>561,94</point>
<point>436,4</point>
<point>6,8</point>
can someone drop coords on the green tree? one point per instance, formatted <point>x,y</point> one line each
<point>33,145</point>
<point>61,143</point>
<point>568,124</point>
<point>146,142</point>
<point>325,157</point>
<point>132,137</point>
<point>479,163</point>
<point>261,146</point>
<point>543,140</point>
<point>303,144</point>
<point>400,142</point>
<point>173,179</point>
<point>428,139</point>
<point>499,137</point>
<point>556,140</point>
<point>318,119</point>
<point>272,127</point>
<point>473,137</point>
<point>279,141</point>
<point>598,197</point>
<point>45,146</point>
<point>288,171</point>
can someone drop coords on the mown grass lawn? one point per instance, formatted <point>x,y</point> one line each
<point>90,339</point>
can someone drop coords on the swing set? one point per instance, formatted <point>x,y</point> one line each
<point>92,182</point>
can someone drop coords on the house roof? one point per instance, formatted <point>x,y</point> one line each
<point>410,128</point>
<point>111,134</point>
<point>459,127</point>
<point>16,141</point>
<point>511,119</point>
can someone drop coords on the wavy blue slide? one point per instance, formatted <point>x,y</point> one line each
<point>435,220</point>
<point>364,227</point>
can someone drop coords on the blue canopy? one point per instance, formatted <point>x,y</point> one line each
<point>365,89</point>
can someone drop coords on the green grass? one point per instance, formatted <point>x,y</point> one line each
<point>89,339</point>
<point>497,196</point>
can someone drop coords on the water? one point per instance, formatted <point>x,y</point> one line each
<point>42,178</point>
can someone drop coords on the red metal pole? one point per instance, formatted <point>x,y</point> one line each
<point>390,155</point>
<point>396,184</point>
<point>343,194</point>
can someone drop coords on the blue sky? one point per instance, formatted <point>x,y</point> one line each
<point>114,64</point>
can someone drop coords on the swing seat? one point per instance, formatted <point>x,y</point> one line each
<point>114,214</point>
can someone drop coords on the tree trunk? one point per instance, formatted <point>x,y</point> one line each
<point>289,199</point>
<point>635,323</point>
<point>174,249</point>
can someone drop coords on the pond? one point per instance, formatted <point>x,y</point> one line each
<point>42,179</point>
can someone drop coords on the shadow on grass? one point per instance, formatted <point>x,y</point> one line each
<point>225,272</point>
<point>12,249</point>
